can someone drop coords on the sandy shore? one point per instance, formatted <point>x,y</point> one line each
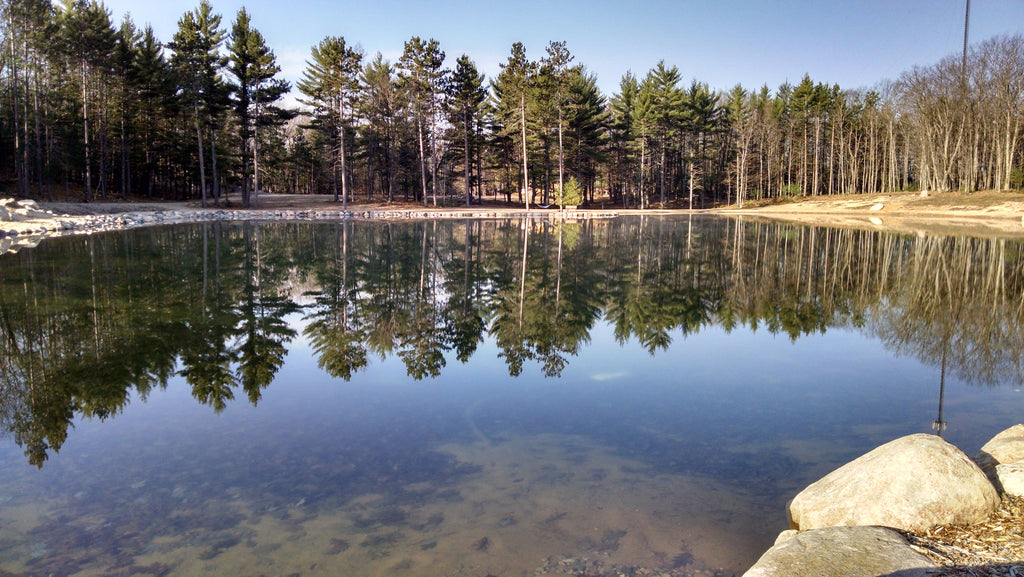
<point>981,213</point>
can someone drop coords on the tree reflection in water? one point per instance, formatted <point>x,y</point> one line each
<point>89,322</point>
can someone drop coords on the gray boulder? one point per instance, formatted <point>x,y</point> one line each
<point>913,483</point>
<point>1006,447</point>
<point>843,552</point>
<point>1010,478</point>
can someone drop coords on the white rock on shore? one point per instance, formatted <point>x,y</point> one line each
<point>1010,478</point>
<point>23,225</point>
<point>1005,448</point>
<point>913,483</point>
<point>843,552</point>
<point>1002,459</point>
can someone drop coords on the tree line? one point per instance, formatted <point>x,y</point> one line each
<point>91,109</point>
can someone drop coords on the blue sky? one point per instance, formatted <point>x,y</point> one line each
<point>855,43</point>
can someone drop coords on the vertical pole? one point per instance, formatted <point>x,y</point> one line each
<point>967,21</point>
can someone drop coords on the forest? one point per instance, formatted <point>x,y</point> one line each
<point>92,109</point>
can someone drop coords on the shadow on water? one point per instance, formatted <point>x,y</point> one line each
<point>89,324</point>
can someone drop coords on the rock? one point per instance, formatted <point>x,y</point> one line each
<point>1010,478</point>
<point>843,552</point>
<point>1006,447</point>
<point>877,207</point>
<point>786,535</point>
<point>35,214</point>
<point>913,483</point>
<point>5,215</point>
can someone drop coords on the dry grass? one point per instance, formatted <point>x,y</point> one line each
<point>990,549</point>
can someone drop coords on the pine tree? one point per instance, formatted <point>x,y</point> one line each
<point>702,118</point>
<point>330,83</point>
<point>466,94</point>
<point>644,118</point>
<point>255,89</point>
<point>667,112</point>
<point>556,63</point>
<point>128,39</point>
<point>27,30</point>
<point>422,74</point>
<point>154,87</point>
<point>88,39</point>
<point>511,90</point>
<point>623,110</point>
<point>381,106</point>
<point>587,120</point>
<point>197,59</point>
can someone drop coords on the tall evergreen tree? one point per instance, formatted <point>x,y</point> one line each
<point>381,106</point>
<point>330,84</point>
<point>197,59</point>
<point>587,120</point>
<point>153,84</point>
<point>255,90</point>
<point>557,62</point>
<point>466,94</point>
<point>423,76</point>
<point>702,118</point>
<point>667,111</point>
<point>128,41</point>
<point>88,40</point>
<point>511,91</point>
<point>623,110</point>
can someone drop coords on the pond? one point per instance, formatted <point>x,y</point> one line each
<point>634,396</point>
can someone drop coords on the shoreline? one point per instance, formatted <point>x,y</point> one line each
<point>40,221</point>
<point>988,214</point>
<point>948,213</point>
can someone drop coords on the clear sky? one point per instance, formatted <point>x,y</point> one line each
<point>855,43</point>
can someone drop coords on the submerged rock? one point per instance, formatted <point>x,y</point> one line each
<point>843,552</point>
<point>913,483</point>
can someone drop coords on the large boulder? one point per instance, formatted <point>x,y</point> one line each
<point>1005,448</point>
<point>843,552</point>
<point>913,483</point>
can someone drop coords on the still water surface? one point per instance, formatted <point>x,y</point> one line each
<point>474,398</point>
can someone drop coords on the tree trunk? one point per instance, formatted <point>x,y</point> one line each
<point>433,149</point>
<point>561,166</point>
<point>19,166</point>
<point>526,176</point>
<point>85,129</point>
<point>662,176</point>
<point>202,164</point>
<point>213,166</point>
<point>468,157</point>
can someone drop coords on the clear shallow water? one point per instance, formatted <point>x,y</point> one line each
<point>292,398</point>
